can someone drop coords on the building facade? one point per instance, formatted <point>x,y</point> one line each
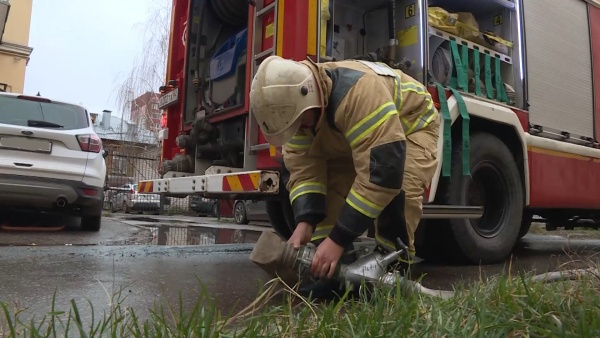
<point>15,21</point>
<point>145,112</point>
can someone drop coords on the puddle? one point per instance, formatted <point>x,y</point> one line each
<point>141,219</point>
<point>32,221</point>
<point>168,234</point>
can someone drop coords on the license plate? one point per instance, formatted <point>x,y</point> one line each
<point>25,144</point>
<point>168,98</point>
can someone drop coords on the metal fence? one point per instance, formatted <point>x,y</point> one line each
<point>125,168</point>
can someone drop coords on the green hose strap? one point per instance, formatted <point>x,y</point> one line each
<point>500,91</point>
<point>466,146</point>
<point>447,137</point>
<point>488,77</point>
<point>453,81</point>
<point>477,69</point>
<point>465,64</point>
<point>459,68</point>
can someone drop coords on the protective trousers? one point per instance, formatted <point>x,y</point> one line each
<point>420,165</point>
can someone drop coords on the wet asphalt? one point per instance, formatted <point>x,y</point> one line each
<point>50,231</point>
<point>150,263</point>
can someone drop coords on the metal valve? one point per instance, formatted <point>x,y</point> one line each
<point>370,268</point>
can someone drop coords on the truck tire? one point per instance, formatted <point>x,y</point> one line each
<point>279,211</point>
<point>496,184</point>
<point>525,223</point>
<point>281,217</point>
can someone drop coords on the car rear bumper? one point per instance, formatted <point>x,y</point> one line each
<point>145,205</point>
<point>73,197</point>
<point>204,208</point>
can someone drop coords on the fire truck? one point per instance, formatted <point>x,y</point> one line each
<point>517,84</point>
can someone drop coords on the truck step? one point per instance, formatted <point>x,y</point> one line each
<point>265,9</point>
<point>451,211</point>
<point>264,54</point>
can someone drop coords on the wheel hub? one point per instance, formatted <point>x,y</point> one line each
<point>488,188</point>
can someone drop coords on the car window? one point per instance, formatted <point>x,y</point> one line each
<point>17,111</point>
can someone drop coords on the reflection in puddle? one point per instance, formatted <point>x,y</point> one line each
<point>163,234</point>
<point>11,220</point>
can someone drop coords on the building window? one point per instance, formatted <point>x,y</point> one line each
<point>3,87</point>
<point>155,106</point>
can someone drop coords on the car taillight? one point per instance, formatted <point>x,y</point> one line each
<point>90,192</point>
<point>90,142</point>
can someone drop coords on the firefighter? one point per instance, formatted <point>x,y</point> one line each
<point>360,142</point>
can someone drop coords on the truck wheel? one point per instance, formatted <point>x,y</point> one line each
<point>525,223</point>
<point>280,212</point>
<point>496,184</point>
<point>279,216</point>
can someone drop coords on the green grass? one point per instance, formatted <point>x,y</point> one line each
<point>504,306</point>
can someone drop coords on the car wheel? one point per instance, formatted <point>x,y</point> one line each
<point>239,213</point>
<point>91,223</point>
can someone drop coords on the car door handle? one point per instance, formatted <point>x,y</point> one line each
<point>26,165</point>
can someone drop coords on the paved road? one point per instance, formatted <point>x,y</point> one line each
<point>150,273</point>
<point>44,231</point>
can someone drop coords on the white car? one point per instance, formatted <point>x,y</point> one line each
<point>51,159</point>
<point>128,199</point>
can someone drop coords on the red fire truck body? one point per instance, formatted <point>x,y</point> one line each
<point>527,132</point>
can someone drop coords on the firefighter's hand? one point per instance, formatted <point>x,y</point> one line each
<point>301,235</point>
<point>326,259</point>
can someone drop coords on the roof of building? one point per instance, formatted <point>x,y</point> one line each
<point>121,130</point>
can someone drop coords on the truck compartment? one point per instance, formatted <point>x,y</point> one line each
<point>595,37</point>
<point>216,57</point>
<point>218,44</point>
<point>559,67</point>
<point>455,43</point>
<point>485,35</point>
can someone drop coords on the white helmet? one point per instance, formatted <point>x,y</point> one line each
<point>280,92</point>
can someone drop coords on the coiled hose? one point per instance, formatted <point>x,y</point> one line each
<point>231,12</point>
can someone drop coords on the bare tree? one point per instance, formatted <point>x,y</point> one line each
<point>133,144</point>
<point>149,69</point>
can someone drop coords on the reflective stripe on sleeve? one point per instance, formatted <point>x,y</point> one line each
<point>321,231</point>
<point>363,205</point>
<point>423,120</point>
<point>407,87</point>
<point>397,93</point>
<point>372,121</point>
<point>307,188</point>
<point>413,87</point>
<point>300,142</point>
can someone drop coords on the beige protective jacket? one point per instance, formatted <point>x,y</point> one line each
<point>370,108</point>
